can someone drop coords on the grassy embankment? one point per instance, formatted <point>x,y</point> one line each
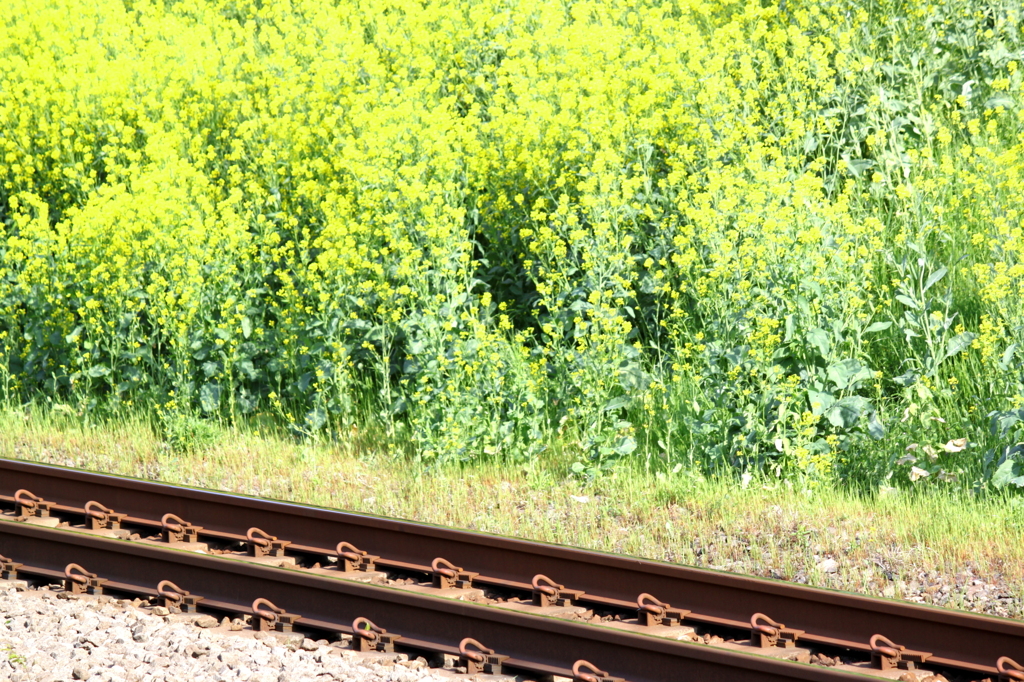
<point>904,544</point>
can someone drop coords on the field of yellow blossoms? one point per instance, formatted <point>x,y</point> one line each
<point>778,238</point>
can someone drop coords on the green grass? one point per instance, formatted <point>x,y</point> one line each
<point>894,544</point>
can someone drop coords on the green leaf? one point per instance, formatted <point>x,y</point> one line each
<point>632,378</point>
<point>1001,100</point>
<point>876,429</point>
<point>1004,362</point>
<point>923,392</point>
<point>626,446</point>
<point>858,166</point>
<point>209,397</point>
<point>818,338</point>
<point>811,142</point>
<point>820,402</point>
<point>246,368</point>
<point>73,336</point>
<point>616,403</point>
<point>245,400</point>
<point>1006,475</point>
<point>316,418</point>
<point>97,371</point>
<point>907,379</point>
<point>959,343</point>
<point>846,373</point>
<point>847,412</point>
<point>934,277</point>
<point>877,327</point>
<point>1002,422</point>
<point>804,305</point>
<point>907,301</point>
<point>246,326</point>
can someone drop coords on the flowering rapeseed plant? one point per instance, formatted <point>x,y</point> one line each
<point>706,233</point>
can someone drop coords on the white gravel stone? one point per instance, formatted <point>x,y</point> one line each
<point>828,566</point>
<point>46,639</point>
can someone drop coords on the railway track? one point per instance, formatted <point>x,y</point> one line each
<point>541,610</point>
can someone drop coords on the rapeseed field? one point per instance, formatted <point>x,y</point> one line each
<point>780,239</point>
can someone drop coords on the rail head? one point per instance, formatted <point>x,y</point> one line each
<point>827,617</point>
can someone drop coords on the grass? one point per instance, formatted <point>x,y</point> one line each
<point>939,547</point>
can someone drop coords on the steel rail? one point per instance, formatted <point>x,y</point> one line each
<point>967,641</point>
<point>534,643</point>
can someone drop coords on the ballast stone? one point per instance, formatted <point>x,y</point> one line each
<point>49,639</point>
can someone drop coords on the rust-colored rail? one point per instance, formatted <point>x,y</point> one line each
<point>955,640</point>
<point>542,646</point>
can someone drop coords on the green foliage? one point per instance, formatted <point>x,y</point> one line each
<point>188,433</point>
<point>715,236</point>
<point>1009,467</point>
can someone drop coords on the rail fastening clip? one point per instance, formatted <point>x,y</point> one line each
<point>447,575</point>
<point>593,674</point>
<point>368,636</point>
<point>174,596</point>
<point>262,543</point>
<point>29,504</point>
<point>652,612</point>
<point>479,659</point>
<point>8,568</point>
<point>271,618</point>
<point>887,655</point>
<point>77,580</point>
<point>352,559</point>
<point>546,592</point>
<point>766,633</point>
<point>175,529</point>
<point>1009,670</point>
<point>101,518</point>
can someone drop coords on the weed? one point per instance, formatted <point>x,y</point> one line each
<point>188,433</point>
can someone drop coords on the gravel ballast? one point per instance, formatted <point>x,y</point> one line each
<point>47,637</point>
